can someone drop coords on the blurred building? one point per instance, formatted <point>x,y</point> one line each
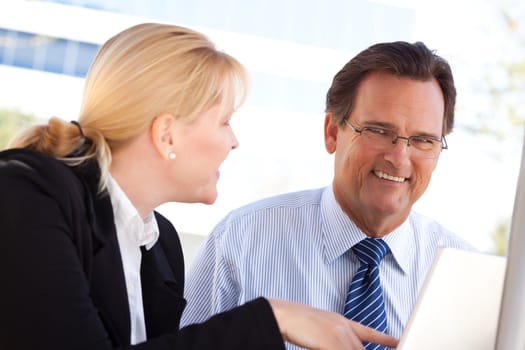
<point>292,49</point>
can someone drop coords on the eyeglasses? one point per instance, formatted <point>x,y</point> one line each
<point>424,146</point>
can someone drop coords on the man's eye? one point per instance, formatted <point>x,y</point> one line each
<point>378,131</point>
<point>423,140</point>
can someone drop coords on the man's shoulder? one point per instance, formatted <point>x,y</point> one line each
<point>283,201</point>
<point>433,232</point>
<point>269,211</point>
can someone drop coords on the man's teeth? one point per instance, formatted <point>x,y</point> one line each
<point>383,175</point>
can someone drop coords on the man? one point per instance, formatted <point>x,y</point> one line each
<point>387,113</point>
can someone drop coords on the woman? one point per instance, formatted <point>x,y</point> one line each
<point>87,263</point>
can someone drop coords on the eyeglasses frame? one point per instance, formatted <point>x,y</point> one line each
<point>443,140</point>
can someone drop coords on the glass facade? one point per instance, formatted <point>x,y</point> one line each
<point>55,55</point>
<point>358,22</point>
<point>290,21</point>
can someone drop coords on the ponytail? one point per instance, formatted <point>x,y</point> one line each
<point>69,142</point>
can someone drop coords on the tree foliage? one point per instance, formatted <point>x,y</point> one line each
<point>506,91</point>
<point>500,237</point>
<point>506,85</point>
<point>11,122</point>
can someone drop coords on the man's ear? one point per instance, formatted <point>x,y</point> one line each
<point>330,133</point>
<point>163,135</point>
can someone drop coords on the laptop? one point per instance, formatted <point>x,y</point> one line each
<point>511,326</point>
<point>458,306</point>
<point>473,300</point>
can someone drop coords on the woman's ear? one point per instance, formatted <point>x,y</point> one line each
<point>163,135</point>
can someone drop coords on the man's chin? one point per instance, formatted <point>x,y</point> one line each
<point>390,207</point>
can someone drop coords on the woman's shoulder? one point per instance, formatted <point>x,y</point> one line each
<point>18,158</point>
<point>22,168</point>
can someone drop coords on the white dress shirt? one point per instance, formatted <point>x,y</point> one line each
<point>296,246</point>
<point>132,233</point>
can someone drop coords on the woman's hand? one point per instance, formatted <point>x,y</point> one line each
<point>319,330</point>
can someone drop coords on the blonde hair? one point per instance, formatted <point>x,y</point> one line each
<point>141,72</point>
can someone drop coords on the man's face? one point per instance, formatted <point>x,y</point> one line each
<point>376,184</point>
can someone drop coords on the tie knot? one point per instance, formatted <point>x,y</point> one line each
<point>371,250</point>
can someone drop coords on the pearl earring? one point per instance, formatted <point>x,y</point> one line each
<point>172,155</point>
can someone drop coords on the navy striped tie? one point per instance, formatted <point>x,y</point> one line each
<point>364,302</point>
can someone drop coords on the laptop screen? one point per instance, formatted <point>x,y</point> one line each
<point>511,329</point>
<point>458,305</point>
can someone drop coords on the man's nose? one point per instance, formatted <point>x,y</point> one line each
<point>395,141</point>
<point>399,153</point>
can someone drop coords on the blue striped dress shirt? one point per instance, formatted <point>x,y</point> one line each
<point>296,246</point>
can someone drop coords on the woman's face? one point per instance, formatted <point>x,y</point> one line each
<point>200,147</point>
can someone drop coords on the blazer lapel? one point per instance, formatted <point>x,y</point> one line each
<point>161,292</point>
<point>162,270</point>
<point>108,283</point>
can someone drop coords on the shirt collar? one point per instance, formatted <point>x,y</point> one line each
<point>142,231</point>
<point>340,233</point>
<point>401,244</point>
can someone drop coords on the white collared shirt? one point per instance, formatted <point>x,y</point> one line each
<point>296,246</point>
<point>132,233</point>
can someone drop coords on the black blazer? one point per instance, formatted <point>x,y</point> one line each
<point>62,282</point>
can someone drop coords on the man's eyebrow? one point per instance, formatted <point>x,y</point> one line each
<point>380,124</point>
<point>390,126</point>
